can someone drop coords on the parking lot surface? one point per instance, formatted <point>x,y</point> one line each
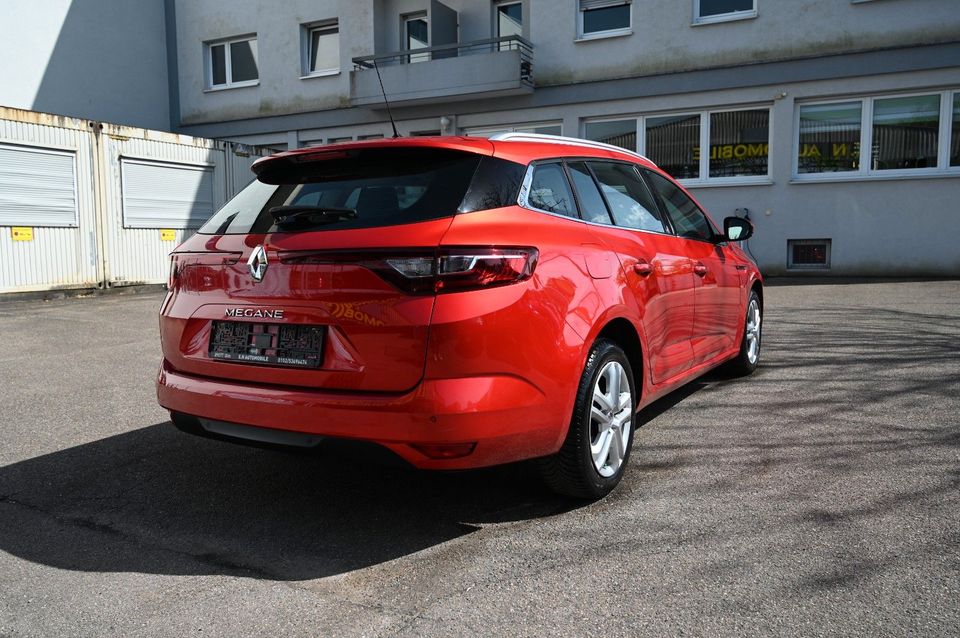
<point>821,496</point>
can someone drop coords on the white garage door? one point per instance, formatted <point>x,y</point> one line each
<point>166,195</point>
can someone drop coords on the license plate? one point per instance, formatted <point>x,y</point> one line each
<point>292,345</point>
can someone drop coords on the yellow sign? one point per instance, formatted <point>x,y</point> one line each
<point>168,235</point>
<point>20,233</point>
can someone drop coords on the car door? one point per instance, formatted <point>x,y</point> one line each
<point>718,299</point>
<point>656,275</point>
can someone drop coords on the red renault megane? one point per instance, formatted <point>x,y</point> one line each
<point>463,302</point>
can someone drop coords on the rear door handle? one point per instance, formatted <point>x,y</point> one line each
<point>699,269</point>
<point>643,268</point>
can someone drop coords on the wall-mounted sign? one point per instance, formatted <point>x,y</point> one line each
<point>167,234</point>
<point>21,233</point>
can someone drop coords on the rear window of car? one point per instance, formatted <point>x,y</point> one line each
<point>376,187</point>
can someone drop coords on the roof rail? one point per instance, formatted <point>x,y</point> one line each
<point>559,139</point>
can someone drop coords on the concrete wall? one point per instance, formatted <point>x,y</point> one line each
<point>664,39</point>
<point>97,59</point>
<point>281,89</point>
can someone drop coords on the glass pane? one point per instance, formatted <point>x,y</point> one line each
<point>553,129</point>
<point>719,7</point>
<point>688,220</point>
<point>243,61</point>
<point>509,20</point>
<point>739,143</point>
<point>905,131</point>
<point>622,133</point>
<point>417,38</point>
<point>218,64</point>
<point>549,190</point>
<point>955,136</point>
<point>606,19</point>
<point>631,204</point>
<point>829,138</point>
<point>592,207</point>
<point>673,143</point>
<point>325,49</point>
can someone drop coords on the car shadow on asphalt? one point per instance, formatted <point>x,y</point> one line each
<point>156,500</point>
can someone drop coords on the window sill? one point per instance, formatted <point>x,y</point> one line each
<point>227,87</point>
<point>726,17</point>
<point>726,182</point>
<point>320,74</point>
<point>827,178</point>
<point>604,35</point>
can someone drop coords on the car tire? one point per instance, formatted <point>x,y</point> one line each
<point>749,356</point>
<point>595,452</point>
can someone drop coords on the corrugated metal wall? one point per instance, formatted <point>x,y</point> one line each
<point>101,248</point>
<point>56,256</point>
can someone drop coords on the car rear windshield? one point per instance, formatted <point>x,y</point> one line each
<point>367,188</point>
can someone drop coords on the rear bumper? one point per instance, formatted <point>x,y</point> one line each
<point>507,418</point>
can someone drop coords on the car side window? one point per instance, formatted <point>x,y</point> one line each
<point>631,202</point>
<point>592,207</point>
<point>550,191</point>
<point>688,220</point>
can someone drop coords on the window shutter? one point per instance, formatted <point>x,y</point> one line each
<point>37,187</point>
<point>600,4</point>
<point>163,195</point>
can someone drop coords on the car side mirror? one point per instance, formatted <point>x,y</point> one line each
<point>737,229</point>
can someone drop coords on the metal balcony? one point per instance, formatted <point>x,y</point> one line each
<point>482,69</point>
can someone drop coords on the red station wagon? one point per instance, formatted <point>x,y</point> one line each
<point>464,302</point>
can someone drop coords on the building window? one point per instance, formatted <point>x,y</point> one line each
<point>707,11</point>
<point>878,136</point>
<point>622,133</point>
<point>547,128</point>
<point>905,132</point>
<point>829,138</point>
<point>739,143</point>
<point>232,63</point>
<point>416,35</point>
<point>955,136</point>
<point>808,254</point>
<point>321,48</point>
<point>603,18</point>
<point>509,21</point>
<point>675,141</point>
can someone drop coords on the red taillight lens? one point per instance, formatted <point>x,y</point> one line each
<point>444,450</point>
<point>436,271</point>
<point>458,269</point>
<point>180,262</point>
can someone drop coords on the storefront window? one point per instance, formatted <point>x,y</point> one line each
<point>905,131</point>
<point>622,133</point>
<point>829,138</point>
<point>955,135</point>
<point>739,143</point>
<point>673,144</point>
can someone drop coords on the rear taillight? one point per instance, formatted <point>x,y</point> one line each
<point>459,269</point>
<point>437,271</point>
<point>181,262</point>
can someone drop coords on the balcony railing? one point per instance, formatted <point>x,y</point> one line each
<point>446,51</point>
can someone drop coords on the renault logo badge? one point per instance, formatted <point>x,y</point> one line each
<point>258,263</point>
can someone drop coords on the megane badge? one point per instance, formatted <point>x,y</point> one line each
<point>258,263</point>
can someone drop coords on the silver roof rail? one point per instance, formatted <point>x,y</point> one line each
<point>559,139</point>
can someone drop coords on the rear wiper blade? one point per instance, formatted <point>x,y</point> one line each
<point>288,214</point>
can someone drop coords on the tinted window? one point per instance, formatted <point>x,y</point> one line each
<point>688,220</point>
<point>550,191</point>
<point>495,184</point>
<point>592,207</point>
<point>631,203</point>
<point>385,186</point>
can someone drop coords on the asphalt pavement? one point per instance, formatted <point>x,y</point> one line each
<point>821,496</point>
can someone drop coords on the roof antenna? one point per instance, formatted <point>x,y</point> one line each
<point>385,100</point>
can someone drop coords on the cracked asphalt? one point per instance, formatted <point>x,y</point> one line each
<point>821,496</point>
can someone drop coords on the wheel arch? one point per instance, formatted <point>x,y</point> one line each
<point>622,331</point>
